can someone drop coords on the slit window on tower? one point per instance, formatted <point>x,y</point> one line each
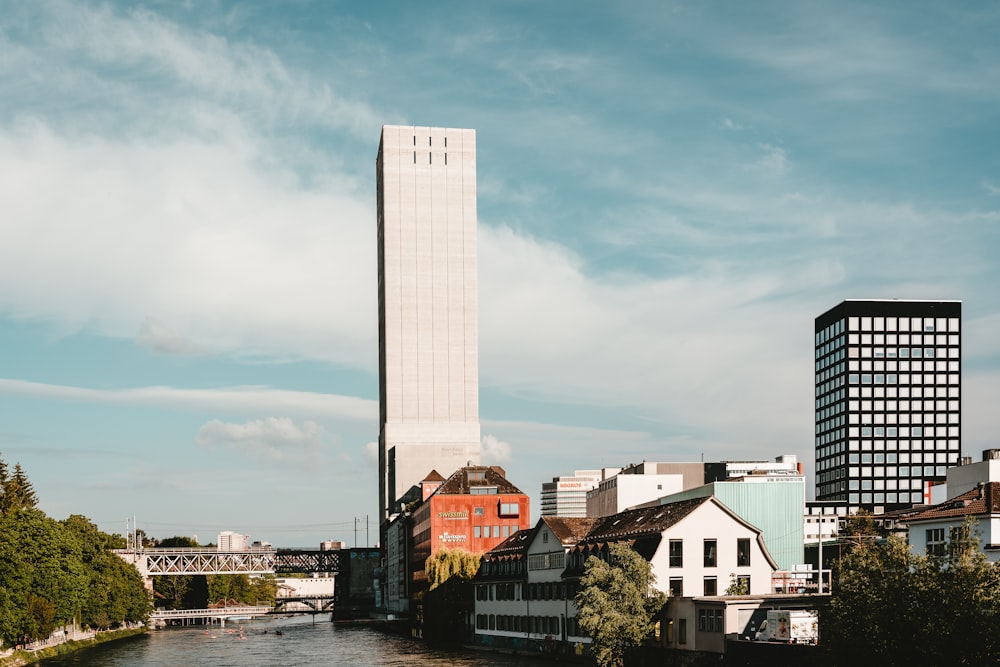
<point>430,158</point>
<point>414,140</point>
<point>414,157</point>
<point>446,158</point>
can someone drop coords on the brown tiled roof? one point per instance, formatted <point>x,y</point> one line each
<point>458,483</point>
<point>433,476</point>
<point>984,499</point>
<point>641,522</point>
<point>569,530</point>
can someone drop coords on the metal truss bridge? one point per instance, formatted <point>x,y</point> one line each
<point>255,560</point>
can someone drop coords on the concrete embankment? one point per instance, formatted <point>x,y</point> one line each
<point>18,658</point>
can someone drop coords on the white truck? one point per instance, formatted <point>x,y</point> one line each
<point>789,626</point>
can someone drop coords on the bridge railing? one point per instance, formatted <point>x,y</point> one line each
<point>254,560</point>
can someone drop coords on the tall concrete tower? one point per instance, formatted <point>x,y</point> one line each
<point>427,307</point>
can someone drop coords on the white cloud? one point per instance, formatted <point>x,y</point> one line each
<point>158,337</point>
<point>370,453</point>
<point>495,452</point>
<point>273,438</point>
<point>189,63</point>
<point>991,189</point>
<point>730,124</point>
<point>197,235</point>
<point>245,399</point>
<point>775,159</point>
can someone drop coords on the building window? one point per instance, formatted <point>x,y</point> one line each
<point>935,542</point>
<point>682,631</point>
<point>676,585</point>
<point>479,511</point>
<point>743,552</point>
<point>509,509</point>
<point>711,553</point>
<point>676,553</point>
<point>743,581</point>
<point>711,586</point>
<point>710,620</point>
<point>477,531</point>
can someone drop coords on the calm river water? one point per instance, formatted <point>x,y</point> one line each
<point>301,643</point>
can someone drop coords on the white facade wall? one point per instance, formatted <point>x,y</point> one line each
<point>967,477</point>
<point>784,464</point>
<point>428,305</point>
<point>230,541</point>
<point>710,521</point>
<point>986,529</point>
<point>296,587</point>
<point>621,492</point>
<point>567,496</point>
<point>546,562</point>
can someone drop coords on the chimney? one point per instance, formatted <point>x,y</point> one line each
<point>991,454</point>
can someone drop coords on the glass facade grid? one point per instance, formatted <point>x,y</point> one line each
<point>861,353</point>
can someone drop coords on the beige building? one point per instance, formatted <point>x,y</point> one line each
<point>427,307</point>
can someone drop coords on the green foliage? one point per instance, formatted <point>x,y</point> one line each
<point>16,491</point>
<point>893,607</point>
<point>448,563</point>
<point>242,588</point>
<point>177,542</point>
<point>115,593</point>
<point>617,603</point>
<point>263,590</point>
<point>737,586</point>
<point>41,617</point>
<point>860,527</point>
<point>53,573</point>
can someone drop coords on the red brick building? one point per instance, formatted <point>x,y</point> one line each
<point>475,509</point>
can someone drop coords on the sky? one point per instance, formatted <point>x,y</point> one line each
<point>669,193</point>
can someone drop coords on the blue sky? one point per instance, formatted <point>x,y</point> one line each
<point>669,193</point>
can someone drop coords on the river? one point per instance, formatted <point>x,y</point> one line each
<point>301,642</point>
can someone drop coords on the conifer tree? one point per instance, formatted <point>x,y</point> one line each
<point>22,489</point>
<point>5,499</point>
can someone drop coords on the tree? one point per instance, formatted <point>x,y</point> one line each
<point>115,593</point>
<point>41,617</point>
<point>38,559</point>
<point>448,563</point>
<point>16,491</point>
<point>177,541</point>
<point>225,587</point>
<point>618,603</point>
<point>859,527</point>
<point>893,607</point>
<point>737,585</point>
<point>23,489</point>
